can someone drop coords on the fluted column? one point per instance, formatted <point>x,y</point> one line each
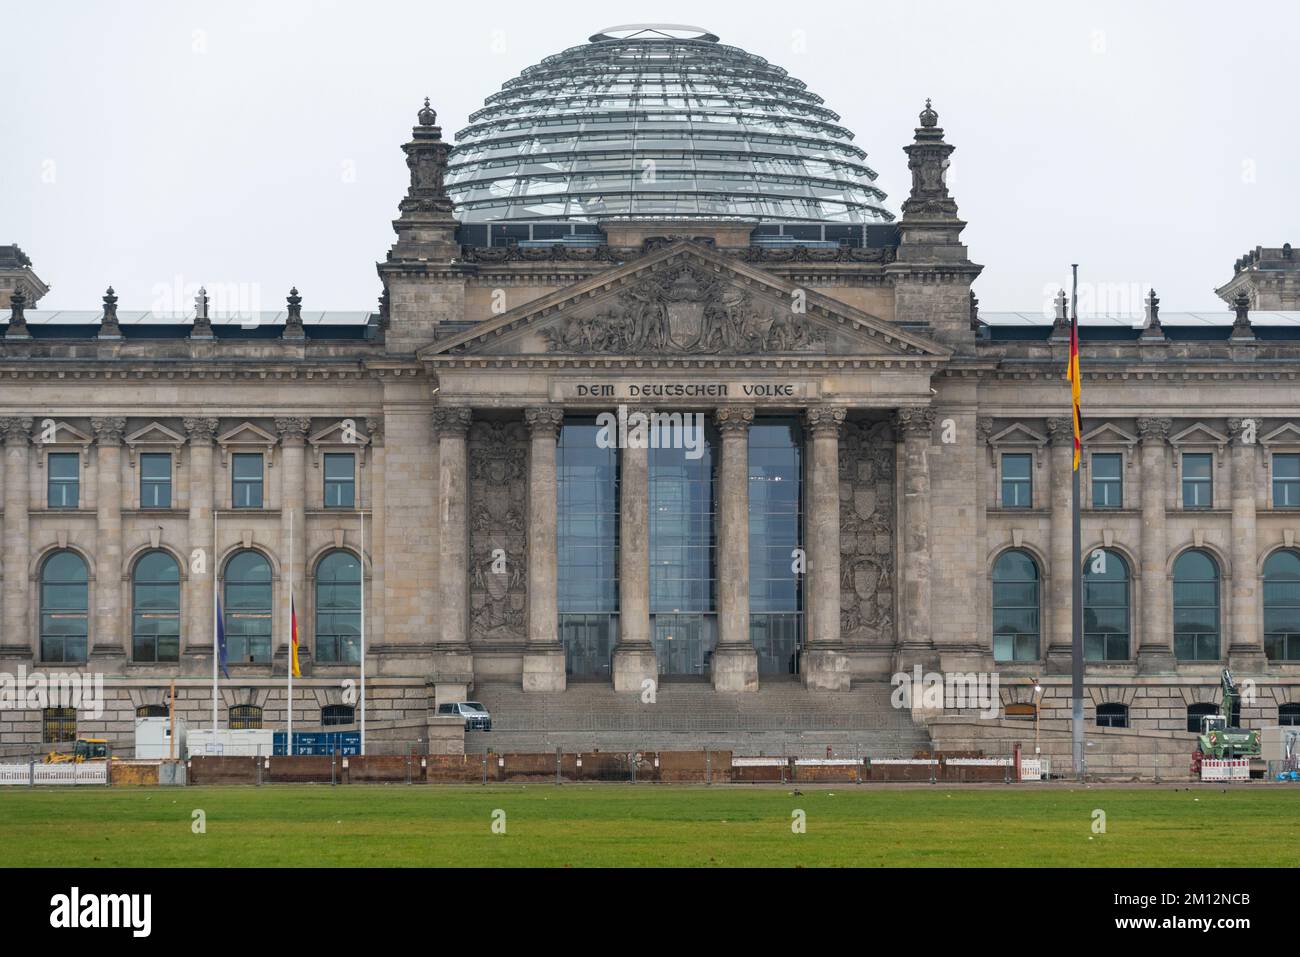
<point>543,666</point>
<point>825,667</point>
<point>453,665</point>
<point>1245,648</point>
<point>735,660</point>
<point>106,639</point>
<point>19,637</point>
<point>198,633</point>
<point>1060,431</point>
<point>1155,634</point>
<point>634,656</point>
<point>916,641</point>
<point>293,513</point>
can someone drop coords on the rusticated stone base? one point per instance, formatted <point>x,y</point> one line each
<point>735,669</point>
<point>544,670</point>
<point>633,667</point>
<point>826,669</point>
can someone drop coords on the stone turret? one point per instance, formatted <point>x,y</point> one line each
<point>1270,278</point>
<point>16,274</point>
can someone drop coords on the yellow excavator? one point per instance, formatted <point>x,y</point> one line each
<point>86,749</point>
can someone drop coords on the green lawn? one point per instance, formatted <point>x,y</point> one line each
<point>584,825</point>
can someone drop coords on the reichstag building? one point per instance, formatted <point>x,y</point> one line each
<point>650,222</point>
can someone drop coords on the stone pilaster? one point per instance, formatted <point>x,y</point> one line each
<point>198,634</point>
<point>106,638</point>
<point>634,657</point>
<point>293,517</point>
<point>1245,646</point>
<point>543,667</point>
<point>825,666</point>
<point>453,665</point>
<point>735,660</point>
<point>1060,597</point>
<point>19,637</point>
<point>1155,634</point>
<point>916,640</point>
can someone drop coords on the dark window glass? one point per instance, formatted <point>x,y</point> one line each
<point>333,715</point>
<point>64,604</point>
<point>1282,606</point>
<point>1195,712</point>
<point>151,711</point>
<point>1198,480</point>
<point>1196,607</point>
<point>1015,607</point>
<point>156,608</point>
<point>1286,480</point>
<point>340,480</point>
<point>1017,481</point>
<point>64,479</point>
<point>58,725</point>
<point>1107,480</point>
<point>1288,715</point>
<point>248,608</point>
<point>775,520</point>
<point>156,480</point>
<point>245,717</point>
<point>246,487</point>
<point>1112,716</point>
<point>1105,606</point>
<point>338,608</point>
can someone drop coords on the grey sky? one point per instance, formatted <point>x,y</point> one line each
<point>153,145</point>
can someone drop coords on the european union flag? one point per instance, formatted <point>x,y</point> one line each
<point>221,639</point>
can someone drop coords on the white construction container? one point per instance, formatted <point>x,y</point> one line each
<point>153,739</point>
<point>225,743</point>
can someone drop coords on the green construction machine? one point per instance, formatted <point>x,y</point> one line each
<point>1217,738</point>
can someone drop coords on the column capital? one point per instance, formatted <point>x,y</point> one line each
<point>733,419</point>
<point>984,429</point>
<point>1238,429</point>
<point>375,431</point>
<point>825,419</point>
<point>915,421</point>
<point>17,430</point>
<point>292,429</point>
<point>202,430</point>
<point>1154,429</point>
<point>1060,430</point>
<point>451,422</point>
<point>544,420</point>
<point>109,430</point>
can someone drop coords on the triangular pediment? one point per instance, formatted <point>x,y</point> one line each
<point>246,433</point>
<point>155,433</point>
<point>1284,434</point>
<point>1018,434</point>
<point>1199,434</point>
<point>62,433</point>
<point>1109,434</point>
<point>687,301</point>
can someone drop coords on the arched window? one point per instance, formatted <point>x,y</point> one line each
<point>1026,711</point>
<point>64,603</point>
<point>156,608</point>
<point>333,715</point>
<point>1196,607</point>
<point>151,711</point>
<point>1105,606</point>
<point>245,717</point>
<point>1288,715</point>
<point>338,608</point>
<point>1015,607</point>
<point>1195,712</point>
<point>58,725</point>
<point>1282,606</point>
<point>248,608</point>
<point>1112,716</point>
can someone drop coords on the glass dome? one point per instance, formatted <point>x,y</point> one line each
<point>659,122</point>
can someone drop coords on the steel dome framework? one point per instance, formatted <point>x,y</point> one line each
<point>650,121</point>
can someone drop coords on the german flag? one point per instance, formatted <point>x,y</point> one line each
<point>1076,381</point>
<point>293,632</point>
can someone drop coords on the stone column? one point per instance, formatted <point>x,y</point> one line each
<point>198,635</point>
<point>544,660</point>
<point>107,639</point>
<point>916,640</point>
<point>634,656</point>
<point>1155,633</point>
<point>19,638</point>
<point>735,661</point>
<point>376,632</point>
<point>825,667</point>
<point>453,665</point>
<point>1060,598</point>
<point>1245,647</point>
<point>293,513</point>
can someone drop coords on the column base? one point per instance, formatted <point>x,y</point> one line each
<point>453,674</point>
<point>1157,660</point>
<point>633,667</point>
<point>544,669</point>
<point>825,669</point>
<point>910,657</point>
<point>735,668</point>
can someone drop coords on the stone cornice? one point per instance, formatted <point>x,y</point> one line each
<point>909,363</point>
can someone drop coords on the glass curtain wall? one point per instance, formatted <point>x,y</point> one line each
<point>775,520</point>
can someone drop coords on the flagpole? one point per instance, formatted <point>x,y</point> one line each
<point>216,650</point>
<point>361,517</point>
<point>288,739</point>
<point>1076,601</point>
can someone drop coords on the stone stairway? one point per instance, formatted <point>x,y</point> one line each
<point>781,718</point>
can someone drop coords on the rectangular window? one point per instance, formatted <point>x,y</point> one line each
<point>246,487</point>
<point>1198,481</point>
<point>64,479</point>
<point>1286,480</point>
<point>156,480</point>
<point>340,480</point>
<point>1107,480</point>
<point>1017,483</point>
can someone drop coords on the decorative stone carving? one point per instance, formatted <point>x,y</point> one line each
<point>17,430</point>
<point>498,534</point>
<point>1060,430</point>
<point>867,524</point>
<point>1239,428</point>
<point>915,421</point>
<point>733,418</point>
<point>558,252</point>
<point>451,421</point>
<point>544,419</point>
<point>201,429</point>
<point>292,429</point>
<point>1153,429</point>
<point>825,418</point>
<point>109,431</point>
<point>802,254</point>
<point>984,430</point>
<point>683,308</point>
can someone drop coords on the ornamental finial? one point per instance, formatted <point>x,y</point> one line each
<point>929,118</point>
<point>428,116</point>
